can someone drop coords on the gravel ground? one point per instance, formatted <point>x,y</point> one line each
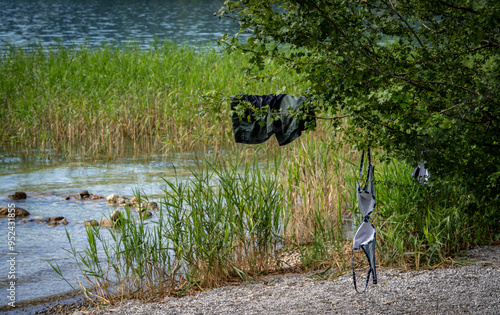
<point>472,289</point>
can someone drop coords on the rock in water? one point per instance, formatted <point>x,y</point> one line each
<point>153,205</point>
<point>19,212</point>
<point>18,195</point>
<point>145,214</point>
<point>84,194</point>
<point>91,223</point>
<point>56,221</point>
<point>106,223</point>
<point>116,216</point>
<point>113,198</point>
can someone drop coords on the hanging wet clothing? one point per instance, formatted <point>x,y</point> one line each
<point>365,236</point>
<point>250,130</point>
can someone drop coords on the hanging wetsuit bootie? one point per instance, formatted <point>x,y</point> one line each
<point>365,236</point>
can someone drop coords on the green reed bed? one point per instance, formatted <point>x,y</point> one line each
<point>101,100</point>
<point>225,222</point>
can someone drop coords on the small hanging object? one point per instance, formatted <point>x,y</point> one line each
<point>365,237</point>
<point>420,173</point>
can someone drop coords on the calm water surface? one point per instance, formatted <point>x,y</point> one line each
<point>26,22</point>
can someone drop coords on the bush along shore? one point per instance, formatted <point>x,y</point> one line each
<point>239,215</point>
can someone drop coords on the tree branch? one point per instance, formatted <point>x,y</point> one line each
<point>404,21</point>
<point>458,7</point>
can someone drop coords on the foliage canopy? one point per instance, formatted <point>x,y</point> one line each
<point>418,78</point>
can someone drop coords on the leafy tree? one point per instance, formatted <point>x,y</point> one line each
<point>418,78</point>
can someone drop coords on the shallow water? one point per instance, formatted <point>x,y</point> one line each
<point>47,185</point>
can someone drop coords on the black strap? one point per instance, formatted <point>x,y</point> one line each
<point>354,276</point>
<point>361,167</point>
<point>366,219</point>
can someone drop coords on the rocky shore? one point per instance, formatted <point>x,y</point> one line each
<point>470,285</point>
<point>142,208</point>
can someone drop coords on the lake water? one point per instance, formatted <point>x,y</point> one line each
<point>47,183</point>
<point>68,22</point>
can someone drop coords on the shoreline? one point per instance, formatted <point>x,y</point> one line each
<point>39,305</point>
<point>470,285</point>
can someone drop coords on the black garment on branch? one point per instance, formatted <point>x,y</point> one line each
<point>250,130</point>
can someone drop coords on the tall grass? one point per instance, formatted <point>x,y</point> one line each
<point>314,179</point>
<point>224,223</point>
<point>108,99</point>
<point>234,217</point>
<point>423,225</point>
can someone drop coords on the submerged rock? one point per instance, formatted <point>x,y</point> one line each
<point>82,195</point>
<point>147,206</point>
<point>116,216</point>
<point>115,219</point>
<point>122,202</point>
<point>35,220</point>
<point>145,214</point>
<point>19,212</point>
<point>18,195</point>
<point>106,222</point>
<point>53,221</point>
<point>91,223</point>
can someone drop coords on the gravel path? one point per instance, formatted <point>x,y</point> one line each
<point>471,289</point>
